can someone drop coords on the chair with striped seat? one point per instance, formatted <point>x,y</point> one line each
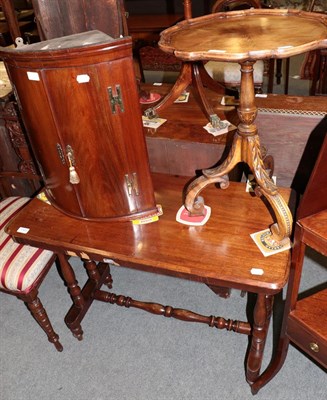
<point>23,268</point>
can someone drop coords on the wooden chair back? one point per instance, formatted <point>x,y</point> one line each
<point>57,18</point>
<point>229,5</point>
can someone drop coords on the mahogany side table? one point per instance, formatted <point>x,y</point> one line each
<point>192,73</point>
<point>246,36</point>
<point>220,254</point>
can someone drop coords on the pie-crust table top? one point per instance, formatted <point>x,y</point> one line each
<point>250,34</point>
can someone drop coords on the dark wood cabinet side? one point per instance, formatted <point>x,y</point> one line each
<point>18,171</point>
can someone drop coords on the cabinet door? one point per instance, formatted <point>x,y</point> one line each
<point>96,111</point>
<point>44,136</point>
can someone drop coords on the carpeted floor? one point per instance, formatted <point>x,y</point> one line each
<point>128,354</point>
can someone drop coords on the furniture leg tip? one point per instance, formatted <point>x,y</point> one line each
<point>254,390</point>
<point>58,346</point>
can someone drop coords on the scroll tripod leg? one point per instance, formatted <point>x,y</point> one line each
<point>280,231</point>
<point>183,81</point>
<point>213,175</point>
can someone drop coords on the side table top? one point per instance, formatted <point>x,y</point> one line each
<point>219,253</point>
<point>249,34</point>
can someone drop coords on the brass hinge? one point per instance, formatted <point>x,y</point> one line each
<point>132,185</point>
<point>115,100</point>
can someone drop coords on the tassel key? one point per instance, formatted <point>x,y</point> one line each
<point>73,175</point>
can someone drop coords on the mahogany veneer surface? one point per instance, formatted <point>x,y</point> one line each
<point>315,229</point>
<point>311,313</point>
<point>219,253</point>
<point>308,324</point>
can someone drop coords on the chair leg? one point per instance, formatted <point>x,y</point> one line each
<point>35,306</point>
<point>287,75</point>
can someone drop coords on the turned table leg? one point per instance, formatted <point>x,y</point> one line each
<point>261,319</point>
<point>99,274</point>
<point>92,270</point>
<point>94,273</point>
<point>75,292</point>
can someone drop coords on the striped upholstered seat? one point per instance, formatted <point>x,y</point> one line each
<point>22,268</point>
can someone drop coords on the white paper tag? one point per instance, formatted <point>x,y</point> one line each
<point>269,247</point>
<point>23,230</point>
<point>33,76</point>
<point>83,78</point>
<point>110,261</point>
<point>257,271</point>
<point>183,98</point>
<point>184,217</point>
<point>217,131</point>
<point>152,122</point>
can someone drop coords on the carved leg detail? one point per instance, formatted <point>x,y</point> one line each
<point>41,317</point>
<point>168,311</point>
<point>92,270</point>
<point>193,203</point>
<point>213,175</point>
<point>262,311</point>
<point>233,158</point>
<point>281,231</point>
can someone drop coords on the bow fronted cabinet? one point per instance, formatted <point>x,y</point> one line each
<point>79,101</point>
